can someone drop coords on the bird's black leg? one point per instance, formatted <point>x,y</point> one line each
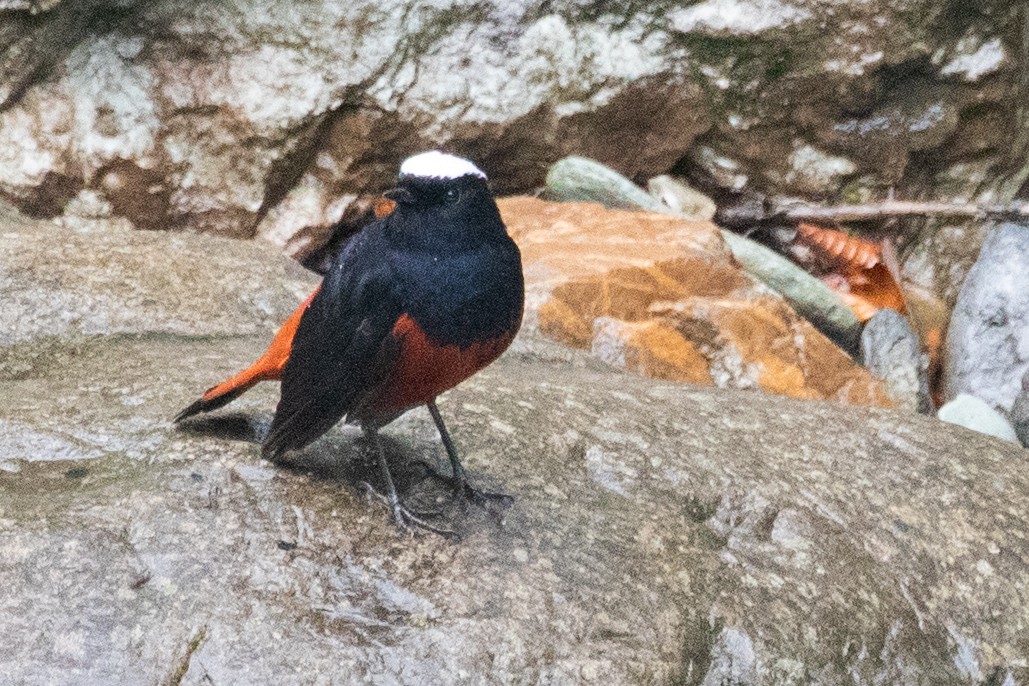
<point>401,515</point>
<point>459,481</point>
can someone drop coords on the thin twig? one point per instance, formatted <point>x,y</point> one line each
<point>898,208</point>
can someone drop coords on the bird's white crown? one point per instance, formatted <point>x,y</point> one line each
<point>439,165</point>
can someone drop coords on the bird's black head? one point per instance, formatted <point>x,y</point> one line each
<point>445,201</point>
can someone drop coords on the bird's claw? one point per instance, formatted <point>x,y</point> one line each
<point>405,519</point>
<point>466,493</point>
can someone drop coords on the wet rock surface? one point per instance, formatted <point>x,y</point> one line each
<point>660,534</point>
<point>988,339</point>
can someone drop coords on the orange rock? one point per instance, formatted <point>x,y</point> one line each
<point>663,297</point>
<point>652,348</point>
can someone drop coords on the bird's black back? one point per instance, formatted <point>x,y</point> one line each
<point>443,258</point>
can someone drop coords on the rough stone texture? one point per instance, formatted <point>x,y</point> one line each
<point>58,281</point>
<point>975,414</point>
<point>988,339</point>
<point>891,351</point>
<point>661,533</point>
<point>211,115</point>
<point>257,116</point>
<point>662,296</point>
<point>848,102</point>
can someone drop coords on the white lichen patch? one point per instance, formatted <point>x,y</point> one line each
<point>610,338</point>
<point>611,473</point>
<point>737,17</point>
<point>114,115</point>
<point>71,644</point>
<point>975,61</point>
<point>857,64</point>
<point>814,170</point>
<point>574,68</point>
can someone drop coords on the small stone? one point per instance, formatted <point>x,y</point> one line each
<point>811,298</point>
<point>891,351</point>
<point>682,198</point>
<point>973,413</point>
<point>581,179</point>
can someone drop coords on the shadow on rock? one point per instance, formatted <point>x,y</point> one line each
<point>234,426</point>
<point>345,458</point>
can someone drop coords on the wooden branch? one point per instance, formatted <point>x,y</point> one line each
<point>898,208</point>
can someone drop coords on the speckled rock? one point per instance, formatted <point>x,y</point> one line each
<point>254,117</point>
<point>660,533</point>
<point>988,338</point>
<point>251,117</point>
<point>891,351</point>
<point>104,278</point>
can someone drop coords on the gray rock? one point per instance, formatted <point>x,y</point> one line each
<point>1020,412</point>
<point>975,414</point>
<point>891,351</point>
<point>661,533</point>
<point>56,281</point>
<point>988,339</point>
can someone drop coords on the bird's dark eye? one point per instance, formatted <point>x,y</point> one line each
<point>452,195</point>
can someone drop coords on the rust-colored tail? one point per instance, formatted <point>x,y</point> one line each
<point>268,367</point>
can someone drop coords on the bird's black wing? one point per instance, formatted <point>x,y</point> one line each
<point>343,347</point>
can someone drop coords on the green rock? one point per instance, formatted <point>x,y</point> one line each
<point>811,298</point>
<point>580,179</point>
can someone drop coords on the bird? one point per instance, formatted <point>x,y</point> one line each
<point>415,303</point>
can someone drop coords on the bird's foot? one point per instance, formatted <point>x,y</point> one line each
<point>487,500</point>
<point>465,493</point>
<point>407,520</point>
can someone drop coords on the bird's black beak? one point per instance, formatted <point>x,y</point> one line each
<point>400,195</point>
